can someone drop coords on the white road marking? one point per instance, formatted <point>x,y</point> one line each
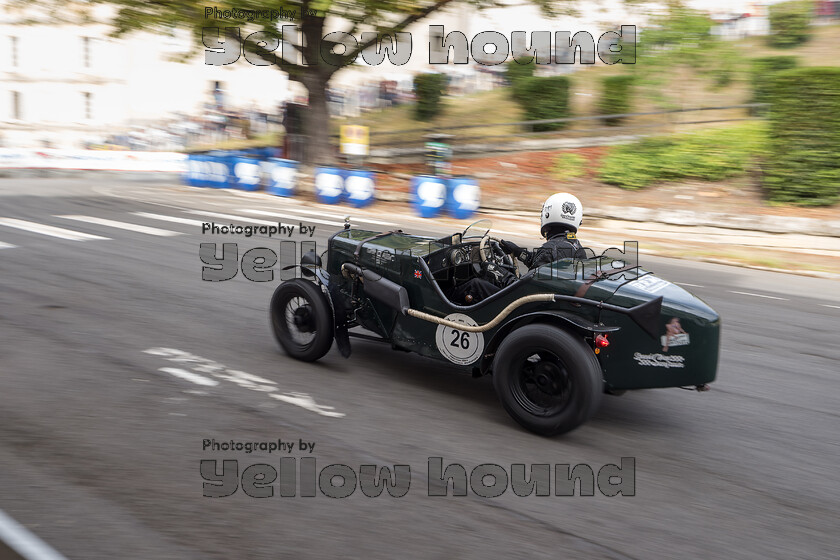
<point>121,225</point>
<point>52,231</point>
<point>26,544</point>
<point>175,219</point>
<point>190,376</point>
<point>299,218</point>
<point>831,306</point>
<point>689,285</point>
<point>7,245</point>
<point>305,401</point>
<point>233,218</point>
<point>240,378</point>
<point>352,217</point>
<point>757,295</point>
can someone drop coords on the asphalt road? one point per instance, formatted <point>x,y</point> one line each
<point>117,361</point>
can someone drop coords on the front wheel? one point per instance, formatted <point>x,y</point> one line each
<point>547,379</point>
<point>302,319</point>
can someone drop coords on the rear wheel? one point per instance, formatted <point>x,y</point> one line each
<point>301,318</point>
<point>547,379</point>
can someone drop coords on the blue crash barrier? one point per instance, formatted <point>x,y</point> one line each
<point>255,168</point>
<point>246,173</point>
<point>359,187</point>
<point>281,176</point>
<point>463,197</point>
<point>429,195</point>
<point>329,184</point>
<point>216,170</point>
<point>192,176</point>
<point>207,170</point>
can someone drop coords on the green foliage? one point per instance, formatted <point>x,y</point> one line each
<point>615,97</point>
<point>429,89</point>
<point>568,165</point>
<point>514,71</point>
<point>516,74</point>
<point>681,36</point>
<point>804,137</point>
<point>726,65</point>
<point>544,98</point>
<point>790,24</point>
<point>763,70</point>
<point>709,155</point>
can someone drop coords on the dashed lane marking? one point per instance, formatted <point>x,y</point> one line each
<point>352,217</point>
<point>7,245</point>
<point>52,231</point>
<point>234,218</point>
<point>164,218</point>
<point>121,225</point>
<point>290,217</point>
<point>758,295</point>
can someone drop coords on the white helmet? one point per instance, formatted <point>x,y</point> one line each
<point>561,209</point>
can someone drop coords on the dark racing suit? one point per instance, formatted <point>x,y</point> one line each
<point>560,245</point>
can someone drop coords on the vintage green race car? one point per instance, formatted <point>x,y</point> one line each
<point>554,340</point>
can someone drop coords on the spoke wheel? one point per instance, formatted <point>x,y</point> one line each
<point>301,318</point>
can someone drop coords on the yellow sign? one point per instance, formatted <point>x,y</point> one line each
<point>354,140</point>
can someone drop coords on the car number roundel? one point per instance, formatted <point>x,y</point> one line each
<point>459,347</point>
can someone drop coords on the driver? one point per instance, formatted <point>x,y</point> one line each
<point>561,216</point>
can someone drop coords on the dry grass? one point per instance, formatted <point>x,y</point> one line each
<point>259,141</point>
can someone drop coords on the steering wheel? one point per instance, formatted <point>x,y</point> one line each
<point>505,261</point>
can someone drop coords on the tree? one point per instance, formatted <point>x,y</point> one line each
<point>681,37</point>
<point>318,57</point>
<point>429,89</point>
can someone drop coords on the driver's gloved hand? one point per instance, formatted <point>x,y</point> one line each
<point>497,275</point>
<point>510,248</point>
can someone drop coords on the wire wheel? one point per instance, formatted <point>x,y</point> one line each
<point>302,320</point>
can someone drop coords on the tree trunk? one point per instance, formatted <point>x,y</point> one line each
<point>318,147</point>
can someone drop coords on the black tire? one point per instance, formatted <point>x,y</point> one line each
<point>547,379</point>
<point>302,319</point>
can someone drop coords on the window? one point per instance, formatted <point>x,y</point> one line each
<point>14,51</point>
<point>16,112</point>
<point>88,108</point>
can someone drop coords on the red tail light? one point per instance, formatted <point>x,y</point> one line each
<point>601,341</point>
